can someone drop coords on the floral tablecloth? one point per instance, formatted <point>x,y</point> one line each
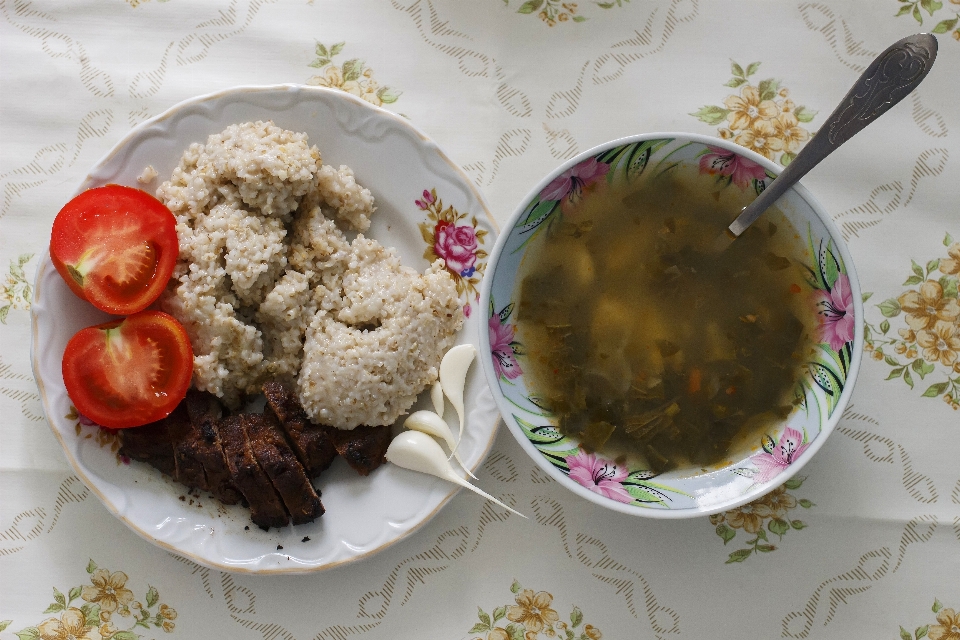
<point>865,543</point>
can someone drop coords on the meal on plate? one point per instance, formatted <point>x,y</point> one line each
<point>647,344</point>
<point>271,297</point>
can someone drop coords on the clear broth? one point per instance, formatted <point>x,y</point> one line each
<point>648,346</point>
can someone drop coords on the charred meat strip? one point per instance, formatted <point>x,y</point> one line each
<point>154,443</point>
<point>363,447</point>
<point>189,468</point>
<point>277,459</point>
<point>264,460</point>
<point>202,444</point>
<point>266,508</point>
<point>313,444</point>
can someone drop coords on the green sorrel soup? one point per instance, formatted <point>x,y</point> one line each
<point>649,346</point>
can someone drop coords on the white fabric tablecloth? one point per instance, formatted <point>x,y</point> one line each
<point>510,89</point>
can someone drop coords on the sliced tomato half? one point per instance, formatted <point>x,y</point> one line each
<point>115,247</point>
<point>129,372</point>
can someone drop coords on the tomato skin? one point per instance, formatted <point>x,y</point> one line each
<point>129,372</point>
<point>115,247</point>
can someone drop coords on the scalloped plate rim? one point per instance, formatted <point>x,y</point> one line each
<point>251,565</point>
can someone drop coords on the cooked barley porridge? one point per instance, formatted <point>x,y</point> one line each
<point>269,287</point>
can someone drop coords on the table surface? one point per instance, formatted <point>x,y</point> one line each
<point>865,543</point>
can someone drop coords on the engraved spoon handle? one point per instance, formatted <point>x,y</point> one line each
<point>887,81</point>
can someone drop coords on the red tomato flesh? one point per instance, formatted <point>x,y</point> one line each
<point>115,247</point>
<point>129,372</point>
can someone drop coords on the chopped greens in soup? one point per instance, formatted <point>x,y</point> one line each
<point>644,343</point>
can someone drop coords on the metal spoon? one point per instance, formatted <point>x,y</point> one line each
<point>887,81</point>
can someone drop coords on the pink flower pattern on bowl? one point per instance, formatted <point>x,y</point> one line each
<point>502,346</point>
<point>771,463</point>
<point>570,183</point>
<point>835,311</point>
<point>599,475</point>
<point>727,164</point>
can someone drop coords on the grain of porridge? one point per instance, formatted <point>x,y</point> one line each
<point>269,287</point>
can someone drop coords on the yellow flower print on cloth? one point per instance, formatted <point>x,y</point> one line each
<point>947,626</point>
<point>108,590</point>
<point>760,117</point>
<point>769,513</point>
<point>71,625</point>
<point>928,342</point>
<point>533,611</point>
<point>16,292</point>
<point>532,616</point>
<point>353,76</point>
<point>93,611</point>
<point>945,24</point>
<point>552,12</point>
<point>926,307</point>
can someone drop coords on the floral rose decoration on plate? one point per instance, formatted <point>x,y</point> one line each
<point>457,245</point>
<point>456,239</point>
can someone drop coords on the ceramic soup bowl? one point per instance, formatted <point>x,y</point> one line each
<point>831,298</point>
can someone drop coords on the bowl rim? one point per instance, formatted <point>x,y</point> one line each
<point>758,490</point>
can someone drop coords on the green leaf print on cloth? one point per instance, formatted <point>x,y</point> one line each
<point>353,76</point>
<point>769,513</point>
<point>552,12</point>
<point>945,23</point>
<point>947,626</point>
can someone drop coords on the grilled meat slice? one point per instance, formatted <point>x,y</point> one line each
<point>286,473</point>
<point>266,508</point>
<point>189,468</point>
<point>154,443</point>
<point>313,444</point>
<point>363,447</point>
<point>185,446</point>
<point>201,444</point>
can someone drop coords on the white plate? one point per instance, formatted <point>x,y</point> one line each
<point>364,515</point>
